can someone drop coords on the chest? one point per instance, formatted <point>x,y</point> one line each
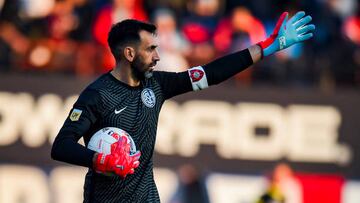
<point>127,108</point>
<point>135,111</point>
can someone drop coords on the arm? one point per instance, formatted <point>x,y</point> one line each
<point>83,115</point>
<point>80,123</point>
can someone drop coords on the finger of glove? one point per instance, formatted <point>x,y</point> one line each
<point>123,140</point>
<point>281,22</point>
<point>305,37</point>
<point>114,147</point>
<point>302,22</point>
<point>120,171</point>
<point>123,145</point>
<point>305,29</point>
<point>132,171</point>
<point>136,155</point>
<point>136,164</point>
<point>297,17</point>
<point>283,26</point>
<point>125,163</point>
<point>127,169</point>
<point>120,143</point>
<point>121,174</point>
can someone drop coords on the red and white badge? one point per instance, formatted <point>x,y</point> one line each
<point>196,75</point>
<point>198,78</point>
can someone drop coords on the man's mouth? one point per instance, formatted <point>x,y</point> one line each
<point>152,65</point>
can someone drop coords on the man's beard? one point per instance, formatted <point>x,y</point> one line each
<point>137,67</point>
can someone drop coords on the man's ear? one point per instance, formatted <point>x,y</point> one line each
<point>129,53</point>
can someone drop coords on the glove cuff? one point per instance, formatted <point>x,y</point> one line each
<point>262,49</point>
<point>101,163</point>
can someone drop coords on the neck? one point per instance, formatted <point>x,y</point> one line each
<point>123,73</point>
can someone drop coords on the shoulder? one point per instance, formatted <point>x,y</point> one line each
<point>99,82</point>
<point>89,96</point>
<point>92,93</point>
<point>103,85</point>
<point>161,76</point>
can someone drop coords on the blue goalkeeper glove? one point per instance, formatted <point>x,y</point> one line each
<point>287,33</point>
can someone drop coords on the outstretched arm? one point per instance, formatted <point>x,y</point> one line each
<point>78,124</point>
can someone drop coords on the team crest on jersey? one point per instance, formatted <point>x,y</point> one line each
<point>196,75</point>
<point>148,97</point>
<point>75,115</point>
<point>198,78</point>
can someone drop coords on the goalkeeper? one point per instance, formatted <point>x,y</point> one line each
<point>130,98</point>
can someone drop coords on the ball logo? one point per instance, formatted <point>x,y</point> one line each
<point>148,97</point>
<point>196,75</point>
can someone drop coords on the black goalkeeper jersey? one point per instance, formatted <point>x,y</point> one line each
<point>108,102</point>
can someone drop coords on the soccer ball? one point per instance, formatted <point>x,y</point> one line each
<point>103,140</point>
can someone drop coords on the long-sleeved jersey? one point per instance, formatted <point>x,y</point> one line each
<point>108,102</point>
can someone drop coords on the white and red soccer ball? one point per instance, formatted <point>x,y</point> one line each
<point>103,140</point>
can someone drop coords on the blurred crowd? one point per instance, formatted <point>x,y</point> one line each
<point>69,37</point>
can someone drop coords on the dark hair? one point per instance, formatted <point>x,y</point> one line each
<point>127,32</point>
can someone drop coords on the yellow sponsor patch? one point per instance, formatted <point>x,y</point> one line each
<point>75,115</point>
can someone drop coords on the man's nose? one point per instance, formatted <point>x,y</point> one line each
<point>156,56</point>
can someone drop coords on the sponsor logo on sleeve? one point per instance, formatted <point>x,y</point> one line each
<point>198,78</point>
<point>75,115</point>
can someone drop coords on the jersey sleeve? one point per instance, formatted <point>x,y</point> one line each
<point>173,84</point>
<point>82,116</point>
<point>201,77</point>
<point>225,67</point>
